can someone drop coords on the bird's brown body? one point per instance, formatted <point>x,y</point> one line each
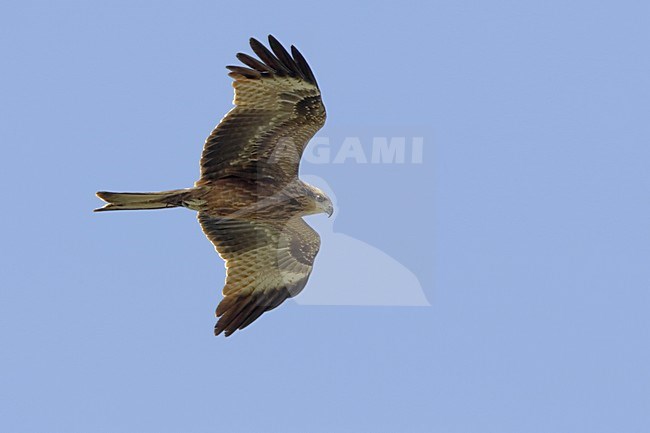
<point>249,198</point>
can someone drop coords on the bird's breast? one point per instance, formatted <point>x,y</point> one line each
<point>233,198</point>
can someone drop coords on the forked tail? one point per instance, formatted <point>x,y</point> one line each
<point>141,200</point>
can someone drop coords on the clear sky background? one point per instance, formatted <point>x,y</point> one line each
<point>527,224</point>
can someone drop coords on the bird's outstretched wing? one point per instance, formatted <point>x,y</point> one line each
<point>278,108</point>
<point>266,263</point>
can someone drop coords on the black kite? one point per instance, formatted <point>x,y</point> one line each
<point>249,198</point>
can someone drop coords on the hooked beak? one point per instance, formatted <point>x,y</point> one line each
<point>330,210</point>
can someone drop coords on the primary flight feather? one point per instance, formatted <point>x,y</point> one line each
<point>249,198</point>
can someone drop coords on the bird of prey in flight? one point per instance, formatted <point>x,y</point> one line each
<point>249,198</point>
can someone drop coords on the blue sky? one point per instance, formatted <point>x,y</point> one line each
<point>526,225</point>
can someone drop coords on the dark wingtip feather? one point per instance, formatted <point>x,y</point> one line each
<point>237,312</point>
<point>277,61</point>
<point>303,65</point>
<point>246,72</point>
<point>282,54</point>
<point>267,57</point>
<point>252,62</point>
<point>220,327</point>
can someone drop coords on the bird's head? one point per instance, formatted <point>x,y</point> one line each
<point>321,202</point>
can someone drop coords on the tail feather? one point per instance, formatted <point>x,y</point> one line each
<point>141,200</point>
